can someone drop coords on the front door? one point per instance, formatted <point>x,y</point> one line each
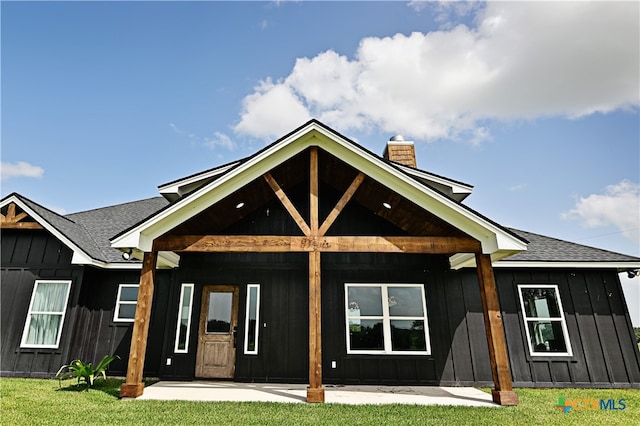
<point>216,355</point>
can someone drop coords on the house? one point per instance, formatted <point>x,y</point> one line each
<point>312,261</point>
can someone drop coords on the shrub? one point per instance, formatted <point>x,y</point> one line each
<point>85,371</point>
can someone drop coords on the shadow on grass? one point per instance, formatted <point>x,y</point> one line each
<point>110,386</point>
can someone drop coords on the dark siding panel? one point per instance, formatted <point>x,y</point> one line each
<point>461,355</point>
<point>27,256</point>
<point>476,330</point>
<point>95,332</point>
<point>9,241</point>
<point>599,330</point>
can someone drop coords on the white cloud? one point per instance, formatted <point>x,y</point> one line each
<point>523,60</point>
<point>618,206</point>
<point>220,140</point>
<point>517,187</point>
<point>20,169</point>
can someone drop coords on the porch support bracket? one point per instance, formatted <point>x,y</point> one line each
<point>133,386</point>
<point>503,393</point>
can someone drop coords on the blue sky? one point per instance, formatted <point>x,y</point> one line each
<point>536,105</point>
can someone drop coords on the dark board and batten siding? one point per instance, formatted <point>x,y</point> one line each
<point>96,333</point>
<point>283,344</point>
<point>89,331</point>
<point>27,256</point>
<point>459,354</point>
<point>600,331</point>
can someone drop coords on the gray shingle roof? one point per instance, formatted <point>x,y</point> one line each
<point>547,249</point>
<point>104,223</point>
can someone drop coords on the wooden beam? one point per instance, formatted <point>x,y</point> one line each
<point>12,220</point>
<point>313,191</point>
<point>297,217</point>
<point>280,243</point>
<point>20,225</point>
<point>315,391</point>
<point>133,386</point>
<point>342,202</point>
<point>11,212</point>
<point>503,393</point>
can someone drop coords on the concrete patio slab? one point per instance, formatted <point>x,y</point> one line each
<point>295,393</point>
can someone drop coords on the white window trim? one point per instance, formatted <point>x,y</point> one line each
<point>190,307</point>
<point>25,331</point>
<point>246,322</point>
<point>386,320</point>
<point>560,319</point>
<point>119,302</point>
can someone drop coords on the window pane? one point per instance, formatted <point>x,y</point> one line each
<point>540,303</point>
<point>405,301</point>
<point>251,344</point>
<point>50,297</point>
<point>408,335</point>
<point>366,334</point>
<point>547,336</point>
<point>43,329</point>
<point>184,319</point>
<point>128,294</point>
<point>219,314</point>
<point>365,300</point>
<point>127,311</point>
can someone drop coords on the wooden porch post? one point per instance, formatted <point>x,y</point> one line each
<point>133,386</point>
<point>315,391</point>
<point>503,393</point>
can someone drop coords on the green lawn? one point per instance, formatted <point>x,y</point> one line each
<point>43,402</point>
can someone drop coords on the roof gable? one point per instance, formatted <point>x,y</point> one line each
<point>495,240</point>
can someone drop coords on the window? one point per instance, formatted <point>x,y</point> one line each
<point>252,322</point>
<point>386,319</point>
<point>126,303</point>
<point>184,319</point>
<point>46,314</point>
<point>543,315</point>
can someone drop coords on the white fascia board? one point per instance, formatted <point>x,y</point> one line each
<point>468,260</point>
<point>492,238</point>
<point>175,187</point>
<point>568,265</point>
<point>456,187</point>
<point>80,257</point>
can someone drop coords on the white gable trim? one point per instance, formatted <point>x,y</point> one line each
<point>494,240</point>
<point>183,186</point>
<point>80,257</point>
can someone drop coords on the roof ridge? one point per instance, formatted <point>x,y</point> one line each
<point>113,206</point>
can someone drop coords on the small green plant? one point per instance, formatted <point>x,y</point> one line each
<point>85,372</point>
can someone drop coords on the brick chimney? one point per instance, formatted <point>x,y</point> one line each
<point>400,151</point>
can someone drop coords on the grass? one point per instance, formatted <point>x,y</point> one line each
<point>43,402</point>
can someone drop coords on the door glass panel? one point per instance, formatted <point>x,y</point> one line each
<point>219,314</point>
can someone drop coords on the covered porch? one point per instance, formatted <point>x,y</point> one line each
<point>421,219</point>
